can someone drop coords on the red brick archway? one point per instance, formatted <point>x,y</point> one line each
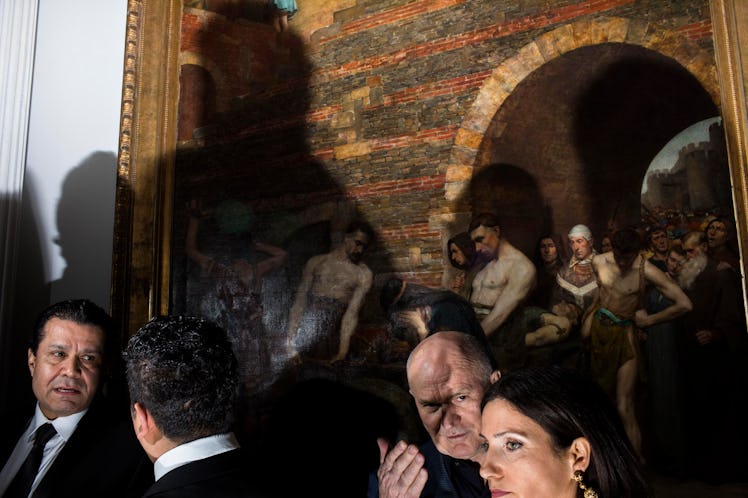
<point>503,80</point>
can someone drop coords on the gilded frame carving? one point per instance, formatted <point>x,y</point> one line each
<point>730,28</point>
<point>140,271</point>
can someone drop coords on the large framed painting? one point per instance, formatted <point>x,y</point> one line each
<point>280,177</point>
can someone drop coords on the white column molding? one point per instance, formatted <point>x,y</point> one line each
<point>18,23</point>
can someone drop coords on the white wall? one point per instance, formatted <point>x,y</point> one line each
<point>73,132</point>
<point>64,240</point>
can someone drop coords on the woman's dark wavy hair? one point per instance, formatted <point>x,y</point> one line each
<point>393,298</point>
<point>568,405</point>
<point>561,250</point>
<point>183,370</point>
<point>731,241</point>
<point>463,241</point>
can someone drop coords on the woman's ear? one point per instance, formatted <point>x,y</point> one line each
<point>495,376</point>
<point>580,452</point>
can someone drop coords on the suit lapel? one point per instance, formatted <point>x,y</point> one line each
<point>80,442</point>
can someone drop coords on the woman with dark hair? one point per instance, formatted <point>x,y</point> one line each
<point>461,250</point>
<point>416,311</point>
<point>462,256</point>
<point>553,432</point>
<point>723,243</point>
<point>548,260</point>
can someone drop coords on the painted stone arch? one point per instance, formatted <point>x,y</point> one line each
<point>202,96</point>
<point>222,100</point>
<point>504,79</point>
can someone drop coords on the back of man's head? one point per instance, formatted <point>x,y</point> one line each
<point>184,372</point>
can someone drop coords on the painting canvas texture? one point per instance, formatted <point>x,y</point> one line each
<point>316,162</point>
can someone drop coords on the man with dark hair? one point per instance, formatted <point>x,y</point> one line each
<point>622,276</point>
<point>658,246</point>
<point>505,281</point>
<point>448,374</point>
<point>182,377</point>
<point>325,312</point>
<point>76,440</point>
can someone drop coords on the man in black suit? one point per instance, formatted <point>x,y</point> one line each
<point>182,377</point>
<point>90,449</point>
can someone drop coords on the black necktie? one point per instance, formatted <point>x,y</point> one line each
<point>21,484</point>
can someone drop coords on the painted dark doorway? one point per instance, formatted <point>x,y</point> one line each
<point>583,129</point>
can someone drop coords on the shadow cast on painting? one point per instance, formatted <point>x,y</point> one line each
<point>253,202</point>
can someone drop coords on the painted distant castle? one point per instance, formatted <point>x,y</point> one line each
<point>699,182</point>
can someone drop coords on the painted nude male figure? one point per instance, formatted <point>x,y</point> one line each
<point>327,304</point>
<point>622,276</point>
<point>506,280</point>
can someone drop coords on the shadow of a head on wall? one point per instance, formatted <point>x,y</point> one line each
<point>625,116</point>
<point>244,134</point>
<point>84,220</point>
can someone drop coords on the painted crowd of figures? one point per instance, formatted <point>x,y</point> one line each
<point>655,318</point>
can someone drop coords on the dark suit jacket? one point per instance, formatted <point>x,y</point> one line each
<point>102,458</point>
<point>222,476</point>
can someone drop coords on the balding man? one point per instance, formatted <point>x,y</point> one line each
<point>448,373</point>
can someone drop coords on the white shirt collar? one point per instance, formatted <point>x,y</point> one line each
<point>65,426</point>
<point>194,450</point>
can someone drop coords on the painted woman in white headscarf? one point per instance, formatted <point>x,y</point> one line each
<point>576,282</point>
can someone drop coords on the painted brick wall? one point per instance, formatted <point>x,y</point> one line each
<point>387,107</point>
